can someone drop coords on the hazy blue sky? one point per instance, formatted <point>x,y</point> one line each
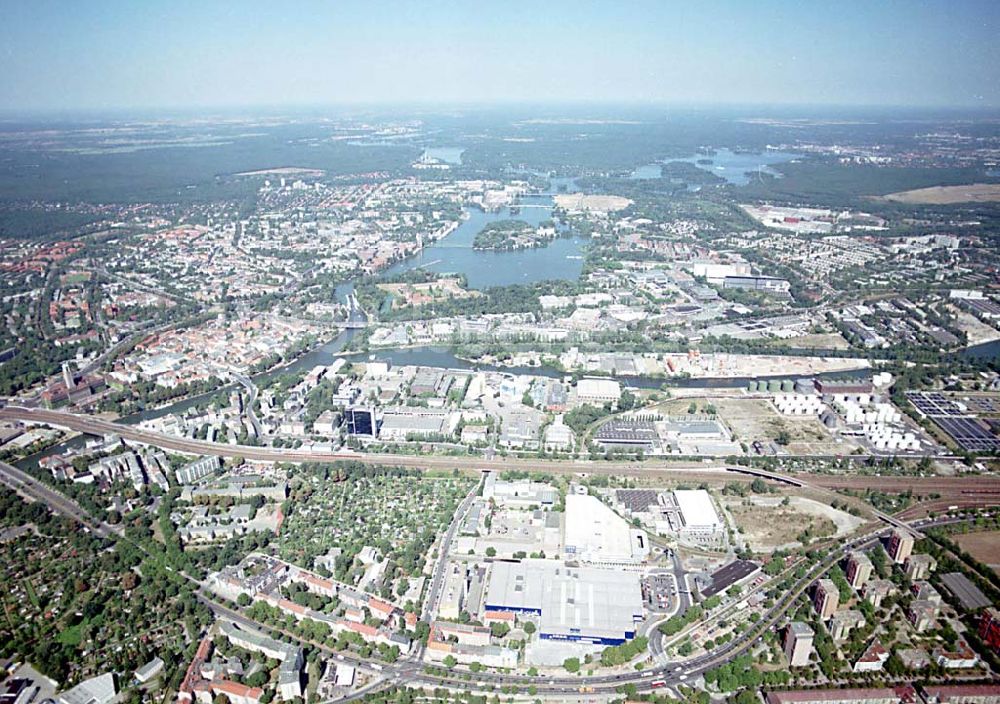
<point>151,53</point>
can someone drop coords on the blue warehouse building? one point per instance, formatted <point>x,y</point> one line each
<point>583,604</point>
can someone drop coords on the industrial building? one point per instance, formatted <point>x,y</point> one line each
<point>686,435</point>
<point>582,604</point>
<point>700,521</point>
<point>519,493</point>
<point>720,580</point>
<point>839,388</point>
<point>628,435</point>
<point>513,533</point>
<point>404,422</point>
<point>96,690</point>
<point>598,390</point>
<point>965,591</point>
<point>361,421</point>
<point>688,514</point>
<point>597,535</point>
<point>768,284</point>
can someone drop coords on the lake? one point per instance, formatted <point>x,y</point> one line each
<point>726,164</point>
<point>449,155</point>
<point>560,259</point>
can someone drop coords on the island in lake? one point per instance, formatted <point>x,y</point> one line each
<point>507,235</point>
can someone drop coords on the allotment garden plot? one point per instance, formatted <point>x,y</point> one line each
<point>365,517</point>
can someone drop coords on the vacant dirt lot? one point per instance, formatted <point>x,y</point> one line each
<point>579,201</point>
<point>752,419</point>
<point>943,195</point>
<point>768,526</point>
<point>822,340</point>
<point>984,546</point>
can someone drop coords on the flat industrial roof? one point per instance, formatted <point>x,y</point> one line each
<point>730,574</point>
<point>696,508</point>
<point>96,690</point>
<point>408,422</point>
<point>693,427</point>
<point>594,532</point>
<point>573,601</point>
<point>590,386</point>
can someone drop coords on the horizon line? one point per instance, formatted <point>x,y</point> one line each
<point>13,113</point>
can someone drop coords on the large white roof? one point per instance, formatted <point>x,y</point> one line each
<point>594,532</point>
<point>697,508</point>
<point>598,387</point>
<point>96,690</point>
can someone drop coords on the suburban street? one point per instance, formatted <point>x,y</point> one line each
<point>27,485</point>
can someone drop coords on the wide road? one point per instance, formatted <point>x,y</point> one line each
<point>983,486</point>
<point>251,388</point>
<point>683,598</point>
<point>24,483</point>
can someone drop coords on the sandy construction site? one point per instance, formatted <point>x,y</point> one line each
<point>578,202</point>
<point>944,195</point>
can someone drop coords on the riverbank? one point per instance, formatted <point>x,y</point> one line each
<point>715,365</point>
<point>443,358</point>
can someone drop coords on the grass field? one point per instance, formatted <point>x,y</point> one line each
<point>71,636</point>
<point>984,546</point>
<point>76,278</point>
